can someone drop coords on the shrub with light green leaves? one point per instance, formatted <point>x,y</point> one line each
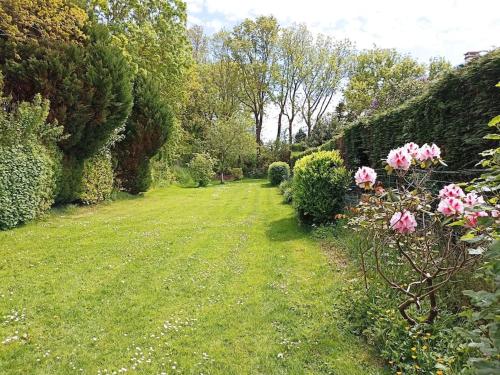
<point>97,179</point>
<point>30,163</point>
<point>277,172</point>
<point>320,182</point>
<point>202,169</point>
<point>237,173</point>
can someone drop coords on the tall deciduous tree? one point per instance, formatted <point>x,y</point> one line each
<point>291,53</point>
<point>382,79</point>
<point>152,34</point>
<point>327,63</point>
<point>253,48</point>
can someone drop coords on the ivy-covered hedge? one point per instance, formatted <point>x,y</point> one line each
<point>452,113</point>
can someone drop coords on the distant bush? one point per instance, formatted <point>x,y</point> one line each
<point>29,162</point>
<point>320,182</point>
<point>202,169</point>
<point>97,179</point>
<point>237,173</point>
<point>277,172</point>
<point>297,147</point>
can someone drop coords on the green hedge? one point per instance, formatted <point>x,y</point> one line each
<point>28,182</point>
<point>97,179</point>
<point>452,113</point>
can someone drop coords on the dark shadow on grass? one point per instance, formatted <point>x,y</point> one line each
<point>287,229</point>
<point>267,185</point>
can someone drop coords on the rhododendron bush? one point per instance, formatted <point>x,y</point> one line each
<point>432,236</point>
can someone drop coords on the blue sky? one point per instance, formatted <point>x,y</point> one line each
<point>422,28</point>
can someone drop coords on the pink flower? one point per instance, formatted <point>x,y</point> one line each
<point>412,149</point>
<point>403,222</point>
<point>365,177</point>
<point>427,152</point>
<point>451,206</point>
<point>399,159</point>
<point>451,190</point>
<point>471,218</point>
<point>471,199</point>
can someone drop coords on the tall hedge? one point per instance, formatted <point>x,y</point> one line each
<point>452,113</point>
<point>147,129</point>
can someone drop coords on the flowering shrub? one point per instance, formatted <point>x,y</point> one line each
<point>424,233</point>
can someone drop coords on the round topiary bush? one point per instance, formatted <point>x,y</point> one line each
<point>277,172</point>
<point>319,184</point>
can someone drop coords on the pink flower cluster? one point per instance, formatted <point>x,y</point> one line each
<point>401,158</point>
<point>454,202</point>
<point>365,177</point>
<point>403,222</point>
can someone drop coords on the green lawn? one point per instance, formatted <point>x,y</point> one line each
<point>220,280</point>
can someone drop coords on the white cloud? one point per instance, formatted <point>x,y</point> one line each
<point>423,28</point>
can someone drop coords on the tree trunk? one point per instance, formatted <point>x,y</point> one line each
<point>222,176</point>
<point>290,135</point>
<point>278,135</point>
<point>258,127</point>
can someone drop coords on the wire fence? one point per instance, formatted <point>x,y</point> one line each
<point>434,183</point>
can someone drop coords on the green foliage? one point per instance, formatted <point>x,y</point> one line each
<point>382,79</point>
<point>97,179</point>
<point>39,21</point>
<point>88,86</point>
<point>202,169</point>
<point>451,113</point>
<point>320,181</point>
<point>230,141</point>
<point>148,128</point>
<point>300,136</point>
<point>236,173</point>
<point>278,172</point>
<point>484,334</point>
<point>152,36</point>
<point>373,313</point>
<point>286,188</point>
<point>297,147</point>
<point>29,162</point>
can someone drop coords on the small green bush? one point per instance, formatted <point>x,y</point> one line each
<point>97,179</point>
<point>320,182</point>
<point>277,172</point>
<point>202,169</point>
<point>237,173</point>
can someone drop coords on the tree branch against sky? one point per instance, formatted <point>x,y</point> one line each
<point>326,65</point>
<point>252,44</point>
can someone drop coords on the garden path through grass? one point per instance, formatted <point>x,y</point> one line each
<point>220,280</point>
